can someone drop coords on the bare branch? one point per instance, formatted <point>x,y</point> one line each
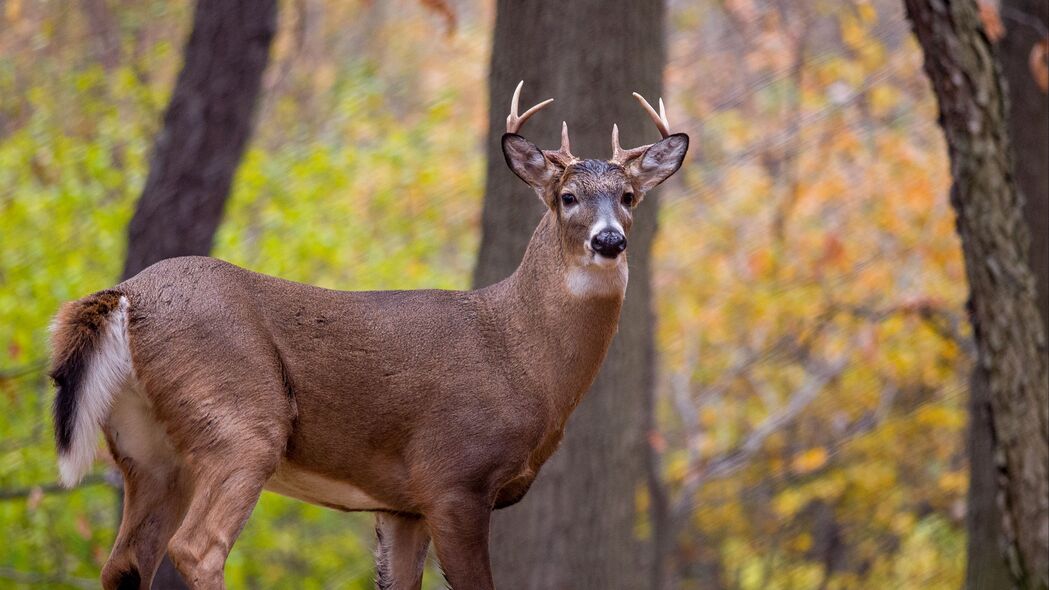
<point>29,368</point>
<point>1022,18</point>
<point>943,321</point>
<point>48,488</point>
<point>818,376</point>
<point>45,580</point>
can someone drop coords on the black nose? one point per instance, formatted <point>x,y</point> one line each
<point>608,243</point>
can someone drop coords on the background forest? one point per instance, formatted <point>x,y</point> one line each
<point>812,346</point>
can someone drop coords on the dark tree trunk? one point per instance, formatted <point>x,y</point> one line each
<point>575,528</point>
<point>984,569</point>
<point>206,128</point>
<point>1029,131</point>
<point>1009,333</point>
<point>1029,136</point>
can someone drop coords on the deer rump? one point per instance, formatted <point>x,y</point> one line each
<point>226,361</point>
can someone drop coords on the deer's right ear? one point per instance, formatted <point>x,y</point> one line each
<point>528,162</point>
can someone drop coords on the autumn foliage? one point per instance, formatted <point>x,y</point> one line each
<point>813,348</point>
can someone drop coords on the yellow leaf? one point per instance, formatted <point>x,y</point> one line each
<point>802,542</point>
<point>810,460</point>
<point>867,13</point>
<point>789,502</point>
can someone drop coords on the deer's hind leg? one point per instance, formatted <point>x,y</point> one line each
<point>225,491</point>
<point>152,510</point>
<point>155,494</point>
<point>229,411</point>
<point>400,551</point>
<point>227,462</point>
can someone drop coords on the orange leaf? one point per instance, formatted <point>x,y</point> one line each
<point>1039,62</point>
<point>656,441</point>
<point>810,460</point>
<point>443,8</point>
<point>992,22</point>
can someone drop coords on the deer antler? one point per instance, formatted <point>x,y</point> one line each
<point>622,156</point>
<point>514,122</point>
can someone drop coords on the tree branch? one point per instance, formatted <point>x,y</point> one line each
<point>941,320</point>
<point>22,370</point>
<point>46,580</point>
<point>48,488</point>
<point>819,375</point>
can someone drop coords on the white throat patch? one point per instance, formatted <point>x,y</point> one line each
<point>598,279</point>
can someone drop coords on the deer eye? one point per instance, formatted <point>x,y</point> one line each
<point>628,199</point>
<point>568,199</point>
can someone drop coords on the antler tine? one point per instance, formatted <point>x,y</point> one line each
<point>563,155</point>
<point>622,156</point>
<point>513,120</point>
<point>659,119</point>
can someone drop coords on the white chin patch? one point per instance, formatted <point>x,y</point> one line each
<point>597,276</point>
<point>603,261</point>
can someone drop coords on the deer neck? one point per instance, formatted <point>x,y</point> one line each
<point>563,317</point>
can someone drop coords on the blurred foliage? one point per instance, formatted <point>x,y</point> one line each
<point>364,173</point>
<point>808,241</point>
<point>812,228</point>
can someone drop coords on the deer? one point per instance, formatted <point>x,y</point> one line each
<point>429,408</point>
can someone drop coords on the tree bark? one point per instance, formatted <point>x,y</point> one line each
<point>984,569</point>
<point>575,528</point>
<point>1029,135</point>
<point>1009,334</point>
<point>1029,131</point>
<point>206,128</point>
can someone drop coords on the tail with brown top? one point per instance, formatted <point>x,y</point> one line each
<point>91,363</point>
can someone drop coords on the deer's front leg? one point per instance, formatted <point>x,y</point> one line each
<point>459,527</point>
<point>400,551</point>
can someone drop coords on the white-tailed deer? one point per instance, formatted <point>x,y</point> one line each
<point>429,408</point>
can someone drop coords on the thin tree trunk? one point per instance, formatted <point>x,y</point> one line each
<point>575,528</point>
<point>206,129</point>
<point>1029,136</point>
<point>1009,334</point>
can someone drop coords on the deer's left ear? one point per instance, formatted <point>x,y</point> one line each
<point>659,162</point>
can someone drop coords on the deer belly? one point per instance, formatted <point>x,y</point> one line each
<point>314,488</point>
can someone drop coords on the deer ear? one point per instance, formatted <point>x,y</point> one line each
<point>659,162</point>
<point>527,161</point>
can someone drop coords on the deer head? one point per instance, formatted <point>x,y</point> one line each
<point>593,201</point>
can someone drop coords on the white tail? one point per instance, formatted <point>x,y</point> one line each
<point>107,367</point>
